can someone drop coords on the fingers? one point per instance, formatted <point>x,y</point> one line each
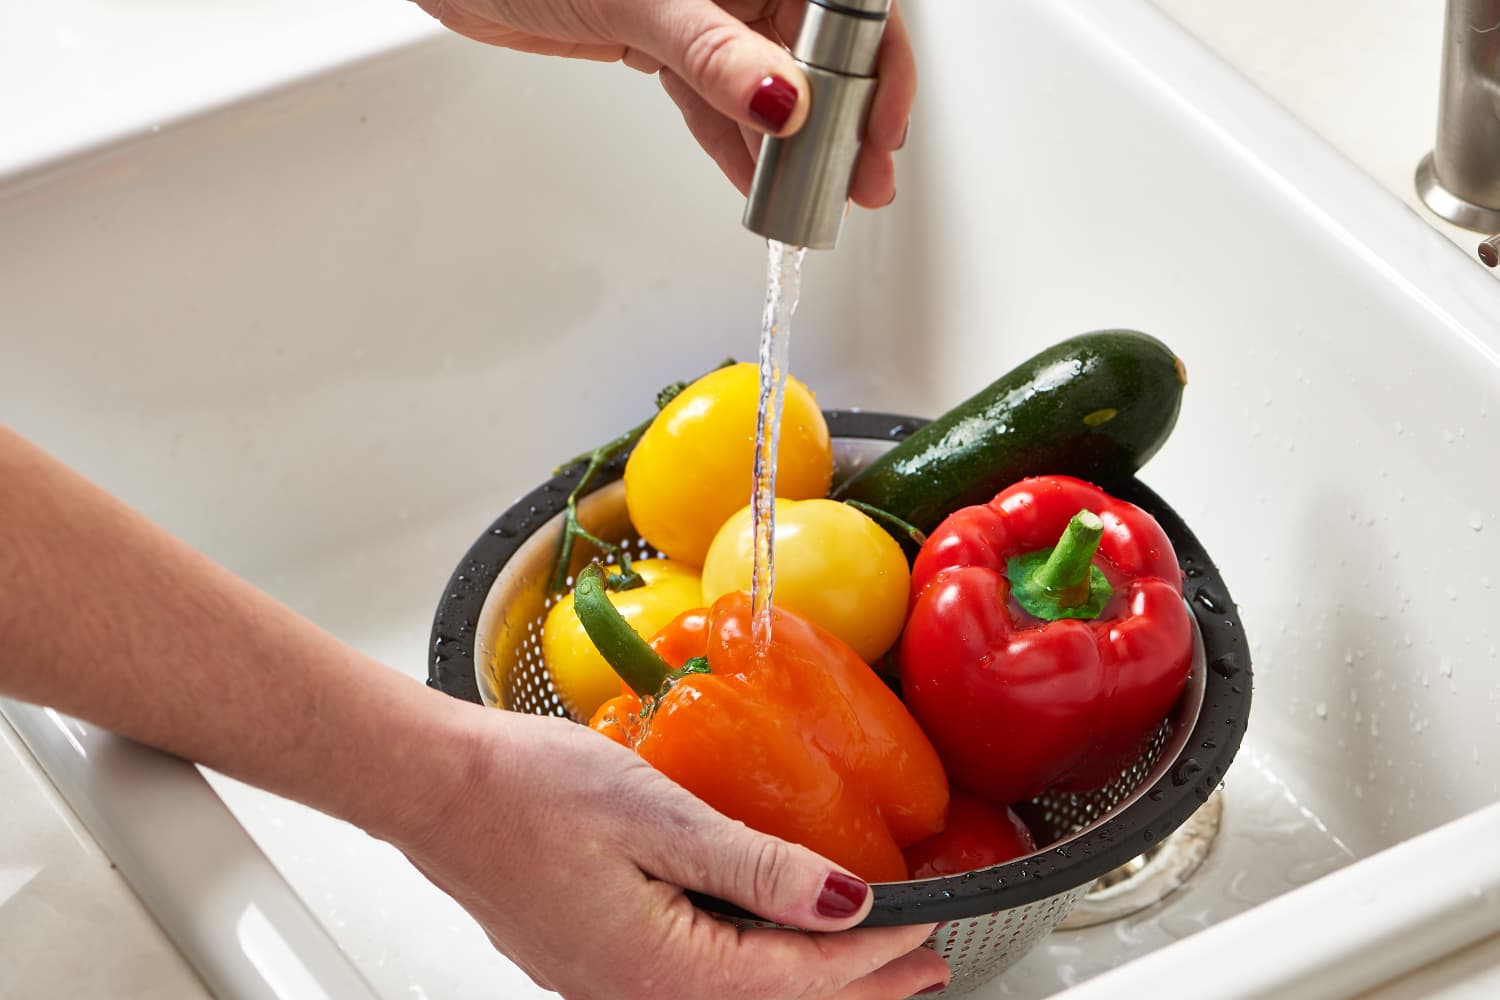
<point>739,73</point>
<point>878,963</point>
<point>722,138</point>
<point>874,182</point>
<point>774,879</point>
<point>918,970</point>
<point>896,69</point>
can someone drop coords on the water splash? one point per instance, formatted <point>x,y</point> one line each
<point>783,286</point>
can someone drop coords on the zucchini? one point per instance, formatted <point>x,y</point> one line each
<point>1095,406</point>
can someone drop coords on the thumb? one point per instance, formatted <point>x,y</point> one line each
<point>742,74</point>
<point>772,878</point>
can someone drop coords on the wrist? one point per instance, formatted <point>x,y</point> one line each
<point>426,754</point>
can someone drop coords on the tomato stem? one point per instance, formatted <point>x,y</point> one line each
<point>902,530</point>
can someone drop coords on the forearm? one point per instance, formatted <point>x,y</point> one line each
<point>107,617</point>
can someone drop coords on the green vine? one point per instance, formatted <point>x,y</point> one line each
<point>627,578</point>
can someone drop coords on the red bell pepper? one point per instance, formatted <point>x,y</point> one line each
<point>977,835</point>
<point>1047,640</point>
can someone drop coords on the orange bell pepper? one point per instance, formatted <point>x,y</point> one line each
<point>800,740</point>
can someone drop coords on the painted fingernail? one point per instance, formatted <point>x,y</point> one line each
<point>934,988</point>
<point>772,103</point>
<point>842,896</point>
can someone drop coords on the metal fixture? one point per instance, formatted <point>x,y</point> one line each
<point>1460,178</point>
<point>1489,251</point>
<point>801,185</point>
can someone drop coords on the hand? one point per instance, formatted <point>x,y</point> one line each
<point>722,63</point>
<point>572,853</point>
<point>568,848</point>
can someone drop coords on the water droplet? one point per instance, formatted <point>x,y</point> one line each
<point>1185,771</point>
<point>1226,665</point>
<point>1321,710</point>
<point>1476,520</point>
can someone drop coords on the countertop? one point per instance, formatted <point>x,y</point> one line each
<point>91,73</point>
<point>70,924</point>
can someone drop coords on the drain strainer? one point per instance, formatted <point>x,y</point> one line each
<point>1150,877</point>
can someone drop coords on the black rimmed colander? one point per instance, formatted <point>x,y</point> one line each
<point>486,647</point>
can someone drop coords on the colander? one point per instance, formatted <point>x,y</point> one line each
<point>486,647</point>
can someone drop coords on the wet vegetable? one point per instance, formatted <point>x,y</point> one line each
<point>800,740</point>
<point>1067,693</point>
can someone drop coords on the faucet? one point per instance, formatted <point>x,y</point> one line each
<point>1460,178</point>
<point>800,190</point>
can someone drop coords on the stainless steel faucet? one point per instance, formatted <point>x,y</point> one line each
<point>801,185</point>
<point>1460,178</point>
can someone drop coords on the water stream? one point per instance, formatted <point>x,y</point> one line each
<point>783,285</point>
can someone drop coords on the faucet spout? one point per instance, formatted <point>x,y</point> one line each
<point>1460,178</point>
<point>801,185</point>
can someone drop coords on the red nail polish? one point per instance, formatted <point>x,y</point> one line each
<point>842,895</point>
<point>934,988</point>
<point>772,103</point>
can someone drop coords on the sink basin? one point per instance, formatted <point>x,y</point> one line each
<point>328,333</point>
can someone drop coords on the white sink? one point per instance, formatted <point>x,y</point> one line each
<point>329,333</point>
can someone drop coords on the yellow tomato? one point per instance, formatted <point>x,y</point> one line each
<point>694,466</point>
<point>834,566</point>
<point>581,676</point>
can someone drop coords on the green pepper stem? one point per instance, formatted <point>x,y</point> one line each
<point>1065,574</point>
<point>622,647</point>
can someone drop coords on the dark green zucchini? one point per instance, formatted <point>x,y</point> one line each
<point>1096,406</point>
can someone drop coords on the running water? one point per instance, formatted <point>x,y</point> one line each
<point>783,284</point>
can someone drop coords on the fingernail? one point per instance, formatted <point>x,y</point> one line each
<point>934,988</point>
<point>893,197</point>
<point>772,103</point>
<point>905,134</point>
<point>842,896</point>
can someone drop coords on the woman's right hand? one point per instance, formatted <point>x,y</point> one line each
<point>573,854</point>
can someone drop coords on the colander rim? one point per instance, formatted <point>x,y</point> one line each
<point>1157,811</point>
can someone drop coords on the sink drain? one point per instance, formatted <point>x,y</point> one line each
<point>1150,877</point>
